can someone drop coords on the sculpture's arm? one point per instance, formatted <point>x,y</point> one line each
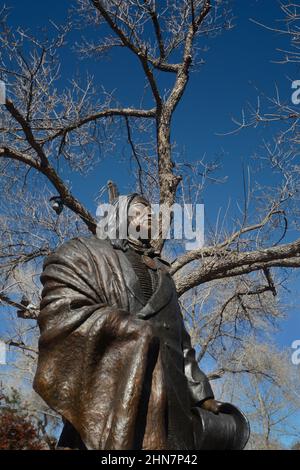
<point>91,351</point>
<point>72,292</point>
<point>199,386</point>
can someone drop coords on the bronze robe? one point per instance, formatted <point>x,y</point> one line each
<point>121,372</point>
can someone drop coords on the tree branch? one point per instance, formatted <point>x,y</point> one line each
<point>235,264</point>
<point>21,345</point>
<point>20,157</point>
<point>141,54</point>
<point>222,248</point>
<point>44,167</point>
<point>183,71</point>
<point>125,112</point>
<point>218,374</point>
<point>27,131</point>
<point>153,15</point>
<point>28,314</point>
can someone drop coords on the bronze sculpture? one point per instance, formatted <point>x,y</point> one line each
<point>115,359</point>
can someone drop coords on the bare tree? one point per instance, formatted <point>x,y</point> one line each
<point>40,125</point>
<point>271,400</point>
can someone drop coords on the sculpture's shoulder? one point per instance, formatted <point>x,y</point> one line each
<point>95,245</point>
<point>80,247</point>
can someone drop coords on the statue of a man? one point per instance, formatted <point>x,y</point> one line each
<point>115,359</point>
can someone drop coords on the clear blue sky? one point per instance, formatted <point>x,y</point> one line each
<point>237,60</point>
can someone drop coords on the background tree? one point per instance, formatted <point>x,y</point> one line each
<point>268,393</point>
<point>296,446</point>
<point>20,428</point>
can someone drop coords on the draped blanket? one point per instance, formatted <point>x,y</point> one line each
<point>105,370</point>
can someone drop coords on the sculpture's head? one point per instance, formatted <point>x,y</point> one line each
<point>130,221</point>
<point>139,219</point>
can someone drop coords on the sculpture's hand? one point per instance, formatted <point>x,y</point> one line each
<point>211,405</point>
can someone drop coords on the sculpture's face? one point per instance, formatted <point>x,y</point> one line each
<point>139,220</point>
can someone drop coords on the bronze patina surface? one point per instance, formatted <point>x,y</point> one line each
<point>115,358</point>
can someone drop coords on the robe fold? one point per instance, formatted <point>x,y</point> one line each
<point>122,372</point>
